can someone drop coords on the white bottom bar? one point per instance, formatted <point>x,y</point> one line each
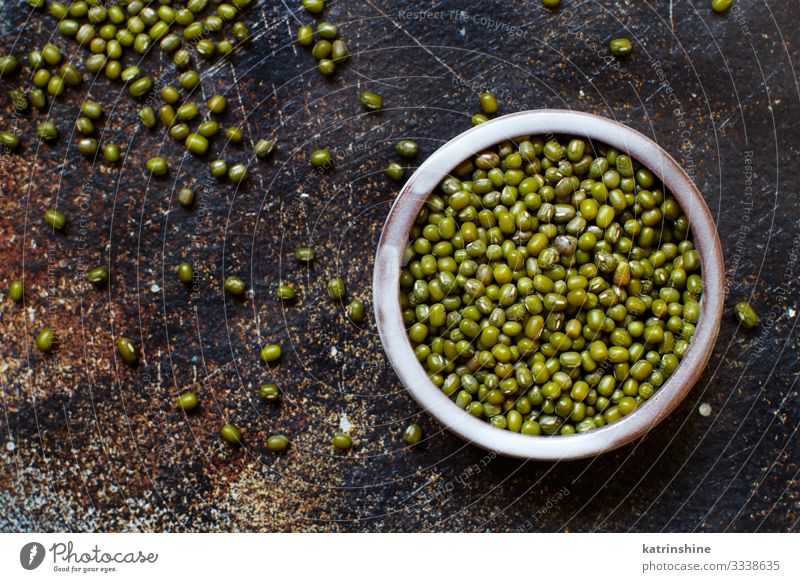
<point>381,557</point>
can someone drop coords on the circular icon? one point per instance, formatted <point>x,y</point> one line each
<point>31,555</point>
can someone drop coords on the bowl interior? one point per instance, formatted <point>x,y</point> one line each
<point>394,240</point>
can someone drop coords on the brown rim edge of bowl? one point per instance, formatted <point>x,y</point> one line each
<point>392,245</point>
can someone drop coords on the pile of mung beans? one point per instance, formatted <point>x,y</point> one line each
<point>551,286</point>
<point>548,291</point>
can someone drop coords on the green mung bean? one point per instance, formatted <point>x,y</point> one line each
<point>41,78</point>
<point>320,158</point>
<point>208,128</point>
<point>9,139</point>
<point>19,99</point>
<point>395,171</point>
<point>314,6</point>
<point>147,117</point>
<point>16,291</point>
<point>327,30</point>
<point>166,113</point>
<point>720,6</point>
<point>38,99</point>
<point>356,311</point>
<point>92,109</point>
<point>371,101</point>
<point>269,393</point>
<point>489,103</point>
<point>219,168</point>
<point>339,51</point>
<point>412,434</point>
<point>304,254</point>
<point>55,219</point>
<point>746,315</point>
<point>234,285</point>
<point>55,86</point>
<point>111,153</point>
<point>406,148</point>
<point>170,94</point>
<point>620,47</point>
<point>217,104</point>
<point>87,146</point>
<point>127,351</point>
<point>238,173</point>
<point>157,166</point>
<point>286,292</point>
<point>234,135</point>
<point>263,148</point>
<point>72,75</point>
<point>188,401</point>
<point>271,353</point>
<point>185,273</point>
<point>240,31</point>
<point>231,434</point>
<point>98,275</point>
<point>182,58</point>
<point>305,36</point>
<point>277,443</point>
<point>342,441</point>
<point>187,112</point>
<point>46,339</point>
<point>186,196</point>
<point>8,65</point>
<point>196,144</point>
<point>140,87</point>
<point>84,126</point>
<point>326,67</point>
<point>336,289</point>
<point>180,131</point>
<point>188,80</point>
<point>51,54</point>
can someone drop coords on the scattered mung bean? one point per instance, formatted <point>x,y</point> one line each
<point>231,434</point>
<point>98,275</point>
<point>277,443</point>
<point>16,291</point>
<point>342,441</point>
<point>185,273</point>
<point>46,339</point>
<point>263,148</point>
<point>304,254</point>
<point>336,289</point>
<point>746,315</point>
<point>188,401</point>
<point>371,101</point>
<point>620,47</point>
<point>55,219</point>
<point>127,351</point>
<point>271,353</point>
<point>234,285</point>
<point>406,148</point>
<point>270,393</point>
<point>412,434</point>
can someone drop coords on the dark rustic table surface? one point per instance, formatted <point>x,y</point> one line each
<point>89,444</point>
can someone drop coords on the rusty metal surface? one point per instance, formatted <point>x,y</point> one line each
<point>90,444</point>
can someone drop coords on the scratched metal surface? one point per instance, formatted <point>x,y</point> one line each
<point>89,444</point>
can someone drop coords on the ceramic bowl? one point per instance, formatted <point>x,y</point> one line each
<point>394,240</point>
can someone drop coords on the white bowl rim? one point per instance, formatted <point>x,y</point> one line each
<point>393,244</point>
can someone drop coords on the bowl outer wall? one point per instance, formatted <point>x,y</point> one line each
<point>394,241</point>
